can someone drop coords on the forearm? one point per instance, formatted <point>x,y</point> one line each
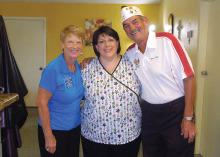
<point>190,93</point>
<point>50,141</point>
<point>43,99</point>
<point>188,129</point>
<point>45,120</point>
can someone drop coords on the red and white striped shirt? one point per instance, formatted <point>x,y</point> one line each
<point>162,68</point>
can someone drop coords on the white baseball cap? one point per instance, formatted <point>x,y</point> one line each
<point>128,12</point>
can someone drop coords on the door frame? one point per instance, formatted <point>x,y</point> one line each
<point>204,6</point>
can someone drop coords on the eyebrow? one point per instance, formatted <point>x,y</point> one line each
<point>135,20</point>
<point>131,21</point>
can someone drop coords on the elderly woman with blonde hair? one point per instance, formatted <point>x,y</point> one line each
<point>59,96</point>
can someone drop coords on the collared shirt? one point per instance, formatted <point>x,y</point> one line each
<point>67,90</point>
<point>162,68</point>
<point>111,112</point>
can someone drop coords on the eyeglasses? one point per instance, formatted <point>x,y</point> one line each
<point>102,42</point>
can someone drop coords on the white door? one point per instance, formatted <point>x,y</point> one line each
<point>27,38</point>
<point>210,129</point>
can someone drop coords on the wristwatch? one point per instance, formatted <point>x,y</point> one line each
<point>192,119</point>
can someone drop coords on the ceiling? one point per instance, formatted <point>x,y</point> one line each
<point>95,1</point>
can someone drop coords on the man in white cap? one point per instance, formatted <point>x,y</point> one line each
<point>168,88</point>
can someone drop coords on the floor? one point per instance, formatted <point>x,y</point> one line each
<point>28,134</point>
<point>29,139</point>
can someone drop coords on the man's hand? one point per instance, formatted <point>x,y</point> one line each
<point>188,130</point>
<point>83,63</point>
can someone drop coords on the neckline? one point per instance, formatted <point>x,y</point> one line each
<point>115,67</point>
<point>67,70</point>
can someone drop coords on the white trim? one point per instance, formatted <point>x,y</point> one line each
<point>44,30</point>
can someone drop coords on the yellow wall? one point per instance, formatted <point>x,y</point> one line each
<point>60,15</point>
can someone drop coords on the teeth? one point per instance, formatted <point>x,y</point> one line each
<point>107,50</point>
<point>73,50</point>
<point>134,32</point>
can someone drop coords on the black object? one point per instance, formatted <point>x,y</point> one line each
<point>15,115</point>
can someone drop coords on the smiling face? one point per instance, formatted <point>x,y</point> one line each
<point>72,46</point>
<point>136,28</point>
<point>107,46</point>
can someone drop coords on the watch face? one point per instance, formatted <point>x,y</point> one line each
<point>189,118</point>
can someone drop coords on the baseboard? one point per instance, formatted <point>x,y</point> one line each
<point>31,106</point>
<point>198,155</point>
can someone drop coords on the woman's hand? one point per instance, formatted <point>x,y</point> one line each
<point>50,143</point>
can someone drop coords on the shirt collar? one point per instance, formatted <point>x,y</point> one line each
<point>151,42</point>
<point>64,66</point>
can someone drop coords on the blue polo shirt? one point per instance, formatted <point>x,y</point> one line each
<point>67,89</point>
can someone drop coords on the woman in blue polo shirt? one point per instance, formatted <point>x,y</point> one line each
<point>59,95</point>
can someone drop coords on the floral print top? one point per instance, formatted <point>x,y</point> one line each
<point>111,113</point>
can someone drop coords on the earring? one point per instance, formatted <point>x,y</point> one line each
<point>81,53</point>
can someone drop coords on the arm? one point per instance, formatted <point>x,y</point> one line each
<point>188,127</point>
<point>83,63</point>
<point>42,102</point>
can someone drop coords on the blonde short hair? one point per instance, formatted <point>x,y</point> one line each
<point>72,29</point>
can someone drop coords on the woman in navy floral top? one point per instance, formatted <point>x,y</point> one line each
<point>111,114</point>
